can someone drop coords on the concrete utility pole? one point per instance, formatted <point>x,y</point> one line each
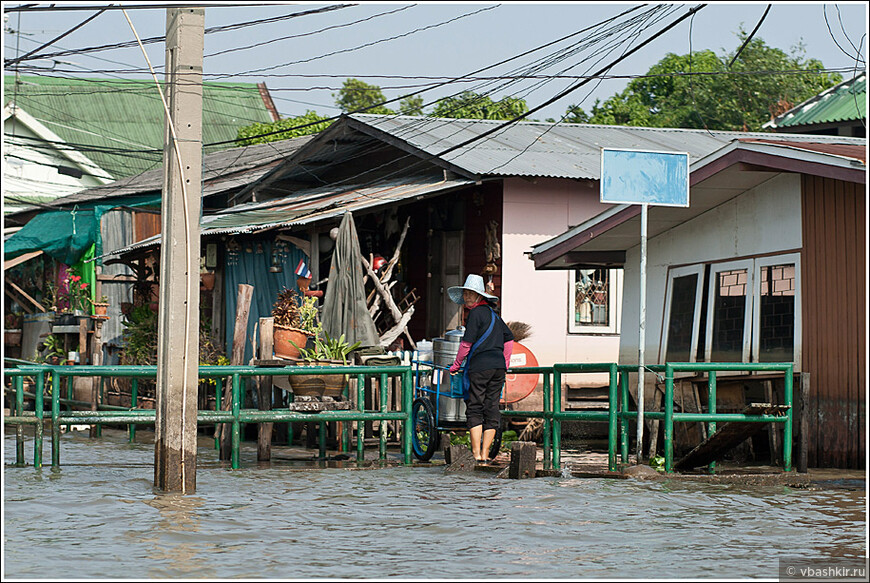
<point>178,328</point>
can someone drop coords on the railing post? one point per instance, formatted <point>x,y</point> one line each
<point>134,402</point>
<point>39,409</point>
<point>55,422</point>
<point>611,420</point>
<point>548,424</point>
<point>557,425</point>
<point>382,432</point>
<point>218,398</point>
<point>407,426</point>
<point>360,425</point>
<point>236,434</point>
<point>788,390</point>
<point>623,422</point>
<point>19,428</point>
<point>711,409</point>
<point>321,440</point>
<point>669,418</point>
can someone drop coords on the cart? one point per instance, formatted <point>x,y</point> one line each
<point>438,406</point>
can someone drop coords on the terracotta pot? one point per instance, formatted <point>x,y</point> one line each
<point>100,309</point>
<point>281,338</point>
<point>207,280</point>
<point>319,385</point>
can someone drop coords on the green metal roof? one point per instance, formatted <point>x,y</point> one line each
<point>844,102</point>
<point>119,123</point>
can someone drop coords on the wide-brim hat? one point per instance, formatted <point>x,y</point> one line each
<point>472,282</point>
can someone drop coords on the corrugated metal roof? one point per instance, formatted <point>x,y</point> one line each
<point>106,116</point>
<point>313,205</point>
<point>221,171</point>
<point>545,149</point>
<point>846,101</point>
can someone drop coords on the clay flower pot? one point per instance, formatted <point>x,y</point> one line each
<point>281,338</point>
<point>319,385</point>
<point>207,280</point>
<point>100,309</point>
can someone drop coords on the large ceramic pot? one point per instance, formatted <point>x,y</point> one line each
<point>281,337</point>
<point>319,385</point>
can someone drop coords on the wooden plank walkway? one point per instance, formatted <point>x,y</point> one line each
<point>729,436</point>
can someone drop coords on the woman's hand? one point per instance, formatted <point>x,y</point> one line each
<point>454,368</point>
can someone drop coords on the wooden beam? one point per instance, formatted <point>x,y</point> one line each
<point>24,295</point>
<point>20,259</point>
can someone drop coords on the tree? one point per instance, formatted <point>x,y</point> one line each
<point>256,133</point>
<point>471,105</point>
<point>355,95</point>
<point>411,105</point>
<point>741,97</point>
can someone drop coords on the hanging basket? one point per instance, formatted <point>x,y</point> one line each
<point>281,337</point>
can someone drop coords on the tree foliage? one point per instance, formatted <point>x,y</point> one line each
<point>260,133</point>
<point>741,97</point>
<point>355,95</point>
<point>471,105</point>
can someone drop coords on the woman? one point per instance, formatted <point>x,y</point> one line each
<point>487,344</point>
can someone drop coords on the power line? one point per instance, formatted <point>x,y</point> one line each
<point>211,30</point>
<point>366,45</point>
<point>54,40</point>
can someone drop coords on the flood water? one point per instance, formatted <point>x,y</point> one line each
<point>98,516</point>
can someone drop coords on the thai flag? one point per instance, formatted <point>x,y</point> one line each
<point>302,270</point>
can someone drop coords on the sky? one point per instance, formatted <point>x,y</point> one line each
<point>436,42</point>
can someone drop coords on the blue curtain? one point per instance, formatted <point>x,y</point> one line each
<point>250,263</point>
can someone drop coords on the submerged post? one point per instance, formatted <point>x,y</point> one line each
<point>178,328</point>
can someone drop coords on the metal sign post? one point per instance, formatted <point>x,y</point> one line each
<point>641,330</point>
<point>644,178</point>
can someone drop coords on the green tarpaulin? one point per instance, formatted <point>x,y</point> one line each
<point>63,235</point>
<point>344,307</point>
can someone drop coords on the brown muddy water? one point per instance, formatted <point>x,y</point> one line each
<point>98,516</point>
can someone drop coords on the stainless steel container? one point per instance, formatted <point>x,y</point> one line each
<point>451,407</point>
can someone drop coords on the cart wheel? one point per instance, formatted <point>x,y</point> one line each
<point>496,441</point>
<point>424,437</point>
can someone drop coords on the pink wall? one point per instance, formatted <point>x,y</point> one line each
<point>535,211</point>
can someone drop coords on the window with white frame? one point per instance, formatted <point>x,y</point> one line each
<point>594,301</point>
<point>737,311</point>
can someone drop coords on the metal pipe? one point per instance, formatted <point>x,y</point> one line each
<point>788,395</point>
<point>236,434</point>
<point>134,402</point>
<point>55,426</point>
<point>19,429</point>
<point>557,425</point>
<point>669,419</point>
<point>547,424</point>
<point>39,409</point>
<point>321,439</point>
<point>407,425</point>
<point>382,433</point>
<point>623,422</point>
<point>711,409</point>
<point>360,425</point>
<point>611,421</point>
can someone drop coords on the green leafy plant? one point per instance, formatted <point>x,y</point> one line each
<point>326,348</point>
<point>657,463</point>
<point>285,310</point>
<point>309,317</point>
<point>54,347</point>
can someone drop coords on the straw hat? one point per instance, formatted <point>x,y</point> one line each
<point>474,283</point>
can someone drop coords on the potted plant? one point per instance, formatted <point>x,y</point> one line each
<point>294,323</point>
<point>325,352</point>
<point>101,306</point>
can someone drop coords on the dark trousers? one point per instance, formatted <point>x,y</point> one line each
<point>481,408</point>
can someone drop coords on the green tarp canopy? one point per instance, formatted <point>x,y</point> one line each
<point>63,235</point>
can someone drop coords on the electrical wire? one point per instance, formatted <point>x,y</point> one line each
<point>9,62</point>
<point>156,39</point>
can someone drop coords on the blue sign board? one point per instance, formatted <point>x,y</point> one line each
<point>644,177</point>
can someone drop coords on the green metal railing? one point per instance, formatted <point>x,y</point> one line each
<point>617,415</point>
<point>235,417</point>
